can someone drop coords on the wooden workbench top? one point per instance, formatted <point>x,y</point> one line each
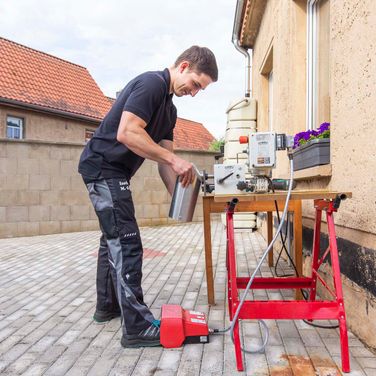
<point>280,195</point>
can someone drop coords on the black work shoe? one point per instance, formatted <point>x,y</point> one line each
<point>104,316</point>
<point>148,337</point>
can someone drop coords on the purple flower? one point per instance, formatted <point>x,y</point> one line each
<point>323,127</point>
<point>302,137</point>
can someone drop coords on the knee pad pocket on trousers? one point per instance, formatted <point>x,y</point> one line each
<point>132,246</point>
<point>132,254</point>
<point>108,223</point>
<point>132,250</point>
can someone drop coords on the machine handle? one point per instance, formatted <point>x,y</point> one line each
<point>220,181</point>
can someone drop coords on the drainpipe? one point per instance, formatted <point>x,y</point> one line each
<point>242,50</point>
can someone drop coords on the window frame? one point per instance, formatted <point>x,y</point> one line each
<point>313,73</point>
<point>311,63</point>
<point>21,128</point>
<point>88,131</point>
<point>270,100</point>
<point>265,111</point>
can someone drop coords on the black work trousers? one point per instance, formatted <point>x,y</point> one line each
<point>119,271</point>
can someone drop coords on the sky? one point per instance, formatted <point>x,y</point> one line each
<point>119,39</point>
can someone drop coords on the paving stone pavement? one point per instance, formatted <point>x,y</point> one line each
<point>47,298</point>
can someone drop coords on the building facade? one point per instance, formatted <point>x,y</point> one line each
<point>313,62</point>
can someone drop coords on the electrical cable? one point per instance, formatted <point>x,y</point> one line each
<point>321,326</point>
<point>283,247</point>
<point>283,240</point>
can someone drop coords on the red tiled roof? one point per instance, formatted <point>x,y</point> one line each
<point>190,135</point>
<point>36,78</point>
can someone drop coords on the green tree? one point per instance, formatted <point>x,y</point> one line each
<point>216,144</point>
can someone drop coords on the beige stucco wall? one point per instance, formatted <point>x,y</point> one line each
<point>353,113</point>
<point>353,82</point>
<point>287,41</point>
<point>42,193</point>
<point>42,126</point>
<point>353,98</point>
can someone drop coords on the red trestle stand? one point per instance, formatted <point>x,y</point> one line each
<point>311,309</point>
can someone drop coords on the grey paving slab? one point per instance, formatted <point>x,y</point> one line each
<point>47,299</point>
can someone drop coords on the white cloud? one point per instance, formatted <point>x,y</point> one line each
<point>117,39</point>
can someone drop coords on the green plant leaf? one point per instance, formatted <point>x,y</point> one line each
<point>216,144</point>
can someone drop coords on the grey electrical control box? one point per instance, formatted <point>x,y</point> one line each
<point>262,147</point>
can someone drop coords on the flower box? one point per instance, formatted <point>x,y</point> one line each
<point>314,153</point>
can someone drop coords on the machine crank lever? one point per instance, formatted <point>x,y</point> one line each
<point>220,181</point>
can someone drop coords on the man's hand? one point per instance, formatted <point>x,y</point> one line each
<point>184,169</point>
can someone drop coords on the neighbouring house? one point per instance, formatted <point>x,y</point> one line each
<point>49,109</point>
<point>313,62</point>
<point>46,98</point>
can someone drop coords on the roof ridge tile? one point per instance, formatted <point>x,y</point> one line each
<point>42,52</point>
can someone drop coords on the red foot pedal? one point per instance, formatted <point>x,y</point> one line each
<point>180,326</point>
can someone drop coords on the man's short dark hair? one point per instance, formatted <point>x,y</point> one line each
<point>202,60</point>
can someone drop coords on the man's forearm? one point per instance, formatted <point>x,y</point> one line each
<point>132,134</point>
<point>168,177</point>
<point>141,144</point>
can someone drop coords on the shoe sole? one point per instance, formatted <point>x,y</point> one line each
<point>136,343</point>
<point>105,319</point>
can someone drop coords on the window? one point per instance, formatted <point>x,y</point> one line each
<point>15,127</point>
<point>265,112</point>
<point>88,135</point>
<point>318,73</point>
<point>270,101</point>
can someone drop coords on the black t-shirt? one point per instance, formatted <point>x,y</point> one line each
<point>146,96</point>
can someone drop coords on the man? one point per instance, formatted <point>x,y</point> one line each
<point>138,126</point>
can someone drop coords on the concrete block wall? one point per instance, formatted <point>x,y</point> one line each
<point>42,193</point>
